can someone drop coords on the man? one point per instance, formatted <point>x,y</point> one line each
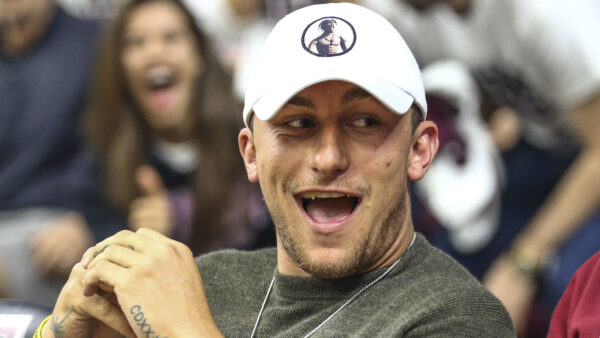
<point>45,67</point>
<point>333,146</point>
<point>539,58</point>
<point>328,42</point>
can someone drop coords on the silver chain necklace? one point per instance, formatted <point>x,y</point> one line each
<point>340,308</point>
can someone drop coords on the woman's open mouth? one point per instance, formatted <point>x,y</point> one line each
<point>160,82</point>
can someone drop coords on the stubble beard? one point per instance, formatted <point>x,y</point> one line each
<point>366,250</point>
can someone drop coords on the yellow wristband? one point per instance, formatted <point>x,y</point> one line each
<point>38,332</point>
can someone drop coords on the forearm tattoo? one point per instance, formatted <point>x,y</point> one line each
<point>140,320</point>
<point>56,325</point>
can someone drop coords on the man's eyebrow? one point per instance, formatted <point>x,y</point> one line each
<point>355,93</point>
<point>302,102</point>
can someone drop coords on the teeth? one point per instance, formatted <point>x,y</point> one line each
<point>159,76</point>
<point>314,195</point>
<point>159,81</point>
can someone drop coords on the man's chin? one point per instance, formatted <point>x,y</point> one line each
<point>328,265</point>
<point>329,272</point>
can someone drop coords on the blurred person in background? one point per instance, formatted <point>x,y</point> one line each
<point>226,23</point>
<point>463,188</point>
<point>161,122</point>
<point>238,29</point>
<point>542,59</point>
<point>577,314</point>
<point>46,202</point>
<point>91,9</point>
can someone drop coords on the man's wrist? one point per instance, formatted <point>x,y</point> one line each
<point>38,332</point>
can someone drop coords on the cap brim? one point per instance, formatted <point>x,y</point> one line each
<point>394,98</point>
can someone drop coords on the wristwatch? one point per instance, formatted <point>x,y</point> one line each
<point>527,262</point>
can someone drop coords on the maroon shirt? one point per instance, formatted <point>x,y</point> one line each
<point>578,311</point>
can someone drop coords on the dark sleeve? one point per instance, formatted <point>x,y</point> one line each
<point>82,187</point>
<point>84,182</point>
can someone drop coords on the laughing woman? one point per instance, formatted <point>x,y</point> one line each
<point>162,124</point>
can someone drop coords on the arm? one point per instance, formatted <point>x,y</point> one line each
<point>576,196</point>
<point>77,316</point>
<point>574,199</point>
<point>156,281</point>
<point>313,46</point>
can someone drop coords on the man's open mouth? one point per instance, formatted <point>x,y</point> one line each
<point>328,207</point>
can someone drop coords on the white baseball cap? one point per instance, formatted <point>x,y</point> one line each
<point>365,50</point>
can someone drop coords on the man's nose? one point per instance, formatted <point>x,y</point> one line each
<point>331,157</point>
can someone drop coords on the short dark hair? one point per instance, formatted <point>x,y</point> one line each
<point>251,122</point>
<point>416,117</point>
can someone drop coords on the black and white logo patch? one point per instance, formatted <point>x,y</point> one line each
<point>329,36</point>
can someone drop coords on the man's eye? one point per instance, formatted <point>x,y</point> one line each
<point>365,122</point>
<point>301,123</point>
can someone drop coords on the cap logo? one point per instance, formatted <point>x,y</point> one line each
<point>329,36</point>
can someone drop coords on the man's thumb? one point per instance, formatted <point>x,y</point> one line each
<point>148,180</point>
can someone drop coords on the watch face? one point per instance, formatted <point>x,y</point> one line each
<point>329,36</point>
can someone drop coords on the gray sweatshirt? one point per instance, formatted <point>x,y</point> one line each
<point>427,294</point>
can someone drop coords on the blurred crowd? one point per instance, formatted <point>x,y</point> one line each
<point>121,114</point>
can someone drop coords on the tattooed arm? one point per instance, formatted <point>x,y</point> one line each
<point>56,324</point>
<point>156,281</point>
<point>78,316</point>
<point>141,322</point>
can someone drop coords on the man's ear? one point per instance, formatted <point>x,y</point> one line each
<point>423,149</point>
<point>248,151</point>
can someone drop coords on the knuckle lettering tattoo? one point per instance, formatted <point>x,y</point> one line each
<point>141,321</point>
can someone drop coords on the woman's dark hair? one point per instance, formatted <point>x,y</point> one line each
<point>121,138</point>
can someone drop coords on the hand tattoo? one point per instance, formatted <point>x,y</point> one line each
<point>101,251</point>
<point>57,326</point>
<point>140,320</point>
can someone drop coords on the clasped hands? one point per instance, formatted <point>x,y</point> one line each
<point>133,284</point>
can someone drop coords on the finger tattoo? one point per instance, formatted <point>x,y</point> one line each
<point>101,251</point>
